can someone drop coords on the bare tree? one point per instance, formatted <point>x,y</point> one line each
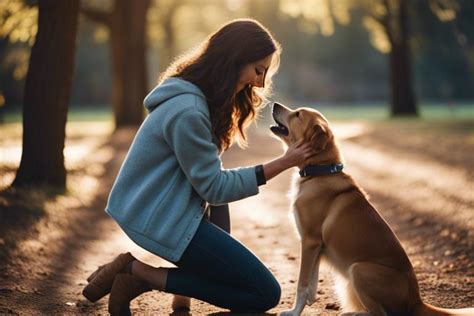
<point>46,98</point>
<point>126,23</point>
<point>387,21</point>
<point>395,24</point>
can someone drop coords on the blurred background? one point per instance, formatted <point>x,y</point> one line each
<point>337,53</point>
<point>394,77</point>
<point>95,60</point>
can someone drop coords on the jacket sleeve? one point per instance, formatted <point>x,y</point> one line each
<point>189,135</point>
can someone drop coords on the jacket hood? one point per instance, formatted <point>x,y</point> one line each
<point>168,89</point>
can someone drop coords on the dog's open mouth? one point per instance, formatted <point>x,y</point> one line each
<point>279,129</point>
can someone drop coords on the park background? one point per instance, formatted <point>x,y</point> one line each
<point>395,77</point>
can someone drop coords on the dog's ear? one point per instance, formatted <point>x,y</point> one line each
<point>320,138</point>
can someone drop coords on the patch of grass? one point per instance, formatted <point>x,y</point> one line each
<point>90,114</point>
<point>342,112</point>
<point>380,112</point>
<point>75,114</point>
<point>377,113</point>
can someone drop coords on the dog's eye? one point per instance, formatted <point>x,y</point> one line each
<point>297,114</point>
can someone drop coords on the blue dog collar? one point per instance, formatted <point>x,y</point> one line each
<point>319,170</point>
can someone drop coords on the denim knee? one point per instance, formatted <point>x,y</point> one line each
<point>267,293</point>
<point>272,294</point>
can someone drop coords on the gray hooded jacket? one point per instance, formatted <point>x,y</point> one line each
<point>171,169</point>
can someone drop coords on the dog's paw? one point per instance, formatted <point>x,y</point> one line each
<point>288,313</point>
<point>310,300</point>
<point>311,296</point>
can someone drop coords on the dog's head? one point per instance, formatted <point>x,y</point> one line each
<point>306,125</point>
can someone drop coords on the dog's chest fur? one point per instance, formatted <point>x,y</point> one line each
<point>312,199</point>
<point>316,208</point>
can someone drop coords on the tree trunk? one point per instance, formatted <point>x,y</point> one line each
<point>169,48</point>
<point>3,45</point>
<point>46,97</point>
<point>128,50</point>
<point>402,102</point>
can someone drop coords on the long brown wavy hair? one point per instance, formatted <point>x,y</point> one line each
<point>215,67</point>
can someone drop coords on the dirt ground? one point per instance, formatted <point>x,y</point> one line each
<point>419,176</point>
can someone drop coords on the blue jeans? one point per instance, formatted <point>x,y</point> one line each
<point>218,269</point>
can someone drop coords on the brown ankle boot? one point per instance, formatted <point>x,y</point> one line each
<point>93,274</point>
<point>126,287</point>
<point>101,283</point>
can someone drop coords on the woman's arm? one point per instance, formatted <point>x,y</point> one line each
<point>189,136</point>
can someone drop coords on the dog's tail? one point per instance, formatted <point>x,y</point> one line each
<point>424,309</point>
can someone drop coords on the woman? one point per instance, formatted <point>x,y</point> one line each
<point>204,102</point>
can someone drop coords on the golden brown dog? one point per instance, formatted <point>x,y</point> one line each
<point>337,223</point>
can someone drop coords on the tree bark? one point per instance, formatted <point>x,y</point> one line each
<point>402,98</point>
<point>46,97</point>
<point>169,47</point>
<point>128,49</point>
<point>127,26</point>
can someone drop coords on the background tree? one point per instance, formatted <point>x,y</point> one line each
<point>175,26</point>
<point>387,21</point>
<point>18,27</point>
<point>388,24</point>
<point>394,22</point>
<point>46,97</point>
<point>126,22</point>
<point>162,29</point>
<point>443,52</point>
<point>349,66</point>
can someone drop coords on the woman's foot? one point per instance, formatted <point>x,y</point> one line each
<point>102,280</point>
<point>181,304</point>
<point>125,288</point>
<point>93,274</point>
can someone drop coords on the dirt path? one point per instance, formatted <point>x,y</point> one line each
<point>427,201</point>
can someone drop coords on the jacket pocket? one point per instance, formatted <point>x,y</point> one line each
<point>161,213</point>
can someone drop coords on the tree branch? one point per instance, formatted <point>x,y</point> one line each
<point>385,21</point>
<point>382,20</point>
<point>98,16</point>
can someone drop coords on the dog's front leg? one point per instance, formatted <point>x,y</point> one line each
<point>310,251</point>
<point>313,284</point>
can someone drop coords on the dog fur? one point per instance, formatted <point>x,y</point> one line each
<point>337,223</point>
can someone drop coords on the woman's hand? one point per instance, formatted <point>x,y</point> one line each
<point>294,156</point>
<point>297,153</point>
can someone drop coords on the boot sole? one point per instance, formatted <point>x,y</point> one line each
<point>94,293</point>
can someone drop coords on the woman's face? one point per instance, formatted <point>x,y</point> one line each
<point>254,73</point>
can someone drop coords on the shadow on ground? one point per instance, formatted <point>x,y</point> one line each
<point>39,228</point>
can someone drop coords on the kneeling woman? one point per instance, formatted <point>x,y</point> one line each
<point>204,102</point>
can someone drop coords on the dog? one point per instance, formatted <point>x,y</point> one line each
<point>338,224</point>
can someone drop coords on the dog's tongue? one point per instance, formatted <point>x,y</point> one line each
<point>279,130</point>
